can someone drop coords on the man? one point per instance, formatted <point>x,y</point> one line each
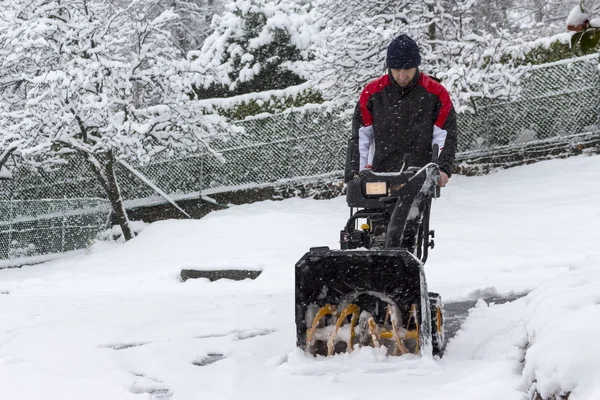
<point>403,112</point>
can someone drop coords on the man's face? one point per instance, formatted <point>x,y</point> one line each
<point>404,76</point>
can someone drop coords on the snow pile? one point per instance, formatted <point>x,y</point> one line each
<point>494,338</point>
<point>563,325</point>
<point>116,233</point>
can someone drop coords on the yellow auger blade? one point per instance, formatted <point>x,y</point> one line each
<point>413,334</point>
<point>322,313</point>
<point>374,331</point>
<point>395,318</point>
<point>353,310</point>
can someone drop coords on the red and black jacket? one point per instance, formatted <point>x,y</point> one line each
<point>403,120</point>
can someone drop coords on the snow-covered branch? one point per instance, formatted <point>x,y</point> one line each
<point>99,77</point>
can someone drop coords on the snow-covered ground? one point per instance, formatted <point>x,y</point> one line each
<point>117,323</point>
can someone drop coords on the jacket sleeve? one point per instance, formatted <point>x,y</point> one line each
<point>447,156</point>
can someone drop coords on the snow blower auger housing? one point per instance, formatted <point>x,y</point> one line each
<point>373,291</point>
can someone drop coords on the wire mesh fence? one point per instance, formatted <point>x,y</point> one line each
<point>556,101</point>
<point>43,212</point>
<point>36,227</point>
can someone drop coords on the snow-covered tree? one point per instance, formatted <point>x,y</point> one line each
<point>488,16</point>
<point>193,25</point>
<point>256,46</point>
<point>90,78</point>
<point>355,40</point>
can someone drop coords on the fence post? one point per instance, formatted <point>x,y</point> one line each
<point>10,226</point>
<point>201,173</point>
<point>486,126</point>
<point>62,244</point>
<point>292,120</point>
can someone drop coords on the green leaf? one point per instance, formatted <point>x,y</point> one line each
<point>574,39</point>
<point>586,41</point>
<point>595,38</point>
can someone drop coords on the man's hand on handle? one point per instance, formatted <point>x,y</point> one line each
<point>443,179</point>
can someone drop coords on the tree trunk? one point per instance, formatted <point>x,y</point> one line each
<point>432,28</point>
<point>116,199</point>
<point>107,178</point>
<point>6,155</point>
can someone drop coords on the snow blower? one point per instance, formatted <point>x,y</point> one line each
<point>372,291</point>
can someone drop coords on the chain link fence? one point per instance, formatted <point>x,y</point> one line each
<point>36,227</point>
<point>63,209</point>
<point>558,106</point>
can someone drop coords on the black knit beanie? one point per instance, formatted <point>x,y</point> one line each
<point>403,53</point>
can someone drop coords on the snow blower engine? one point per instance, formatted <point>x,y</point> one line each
<point>373,292</point>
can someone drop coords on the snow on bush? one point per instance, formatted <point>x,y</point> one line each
<point>264,39</point>
<point>577,17</point>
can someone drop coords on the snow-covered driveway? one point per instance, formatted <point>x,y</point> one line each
<point>118,324</point>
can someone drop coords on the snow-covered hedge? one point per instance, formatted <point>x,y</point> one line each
<point>255,45</point>
<point>267,102</point>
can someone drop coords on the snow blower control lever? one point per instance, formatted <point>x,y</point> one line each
<point>405,161</point>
